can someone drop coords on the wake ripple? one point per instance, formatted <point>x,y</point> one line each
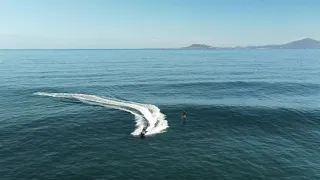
<point>145,114</point>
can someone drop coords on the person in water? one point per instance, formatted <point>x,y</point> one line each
<point>184,115</point>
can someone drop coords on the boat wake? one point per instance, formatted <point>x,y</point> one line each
<point>146,115</point>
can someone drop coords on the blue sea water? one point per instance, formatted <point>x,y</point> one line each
<point>77,114</point>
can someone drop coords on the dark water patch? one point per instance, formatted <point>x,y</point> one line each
<point>225,142</point>
<point>237,88</point>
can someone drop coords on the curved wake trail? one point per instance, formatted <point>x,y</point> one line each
<point>145,114</point>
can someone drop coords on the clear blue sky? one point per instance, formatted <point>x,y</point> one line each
<point>155,23</point>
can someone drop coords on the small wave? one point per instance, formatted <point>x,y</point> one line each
<point>145,114</point>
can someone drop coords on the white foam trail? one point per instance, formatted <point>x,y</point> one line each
<point>145,114</point>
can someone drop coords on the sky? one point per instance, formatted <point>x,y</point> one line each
<point>155,23</point>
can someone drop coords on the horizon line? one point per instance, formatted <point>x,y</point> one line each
<point>145,48</point>
<point>182,49</point>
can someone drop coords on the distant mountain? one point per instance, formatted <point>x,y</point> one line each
<point>307,43</point>
<point>198,46</point>
<point>302,44</point>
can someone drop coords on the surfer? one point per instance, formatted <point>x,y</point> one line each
<point>143,133</point>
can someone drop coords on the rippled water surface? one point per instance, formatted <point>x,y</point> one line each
<point>77,114</point>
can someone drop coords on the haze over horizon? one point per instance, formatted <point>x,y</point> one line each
<point>155,24</point>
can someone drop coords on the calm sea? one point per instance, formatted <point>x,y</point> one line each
<point>77,114</point>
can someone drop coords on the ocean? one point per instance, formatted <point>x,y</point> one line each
<point>78,114</point>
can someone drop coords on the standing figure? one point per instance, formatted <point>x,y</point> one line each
<point>184,116</point>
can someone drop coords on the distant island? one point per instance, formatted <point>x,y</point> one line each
<point>199,46</point>
<point>307,43</point>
